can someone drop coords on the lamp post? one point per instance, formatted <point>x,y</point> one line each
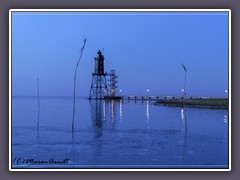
<point>226,91</point>
<point>182,92</point>
<point>148,94</point>
<point>185,79</point>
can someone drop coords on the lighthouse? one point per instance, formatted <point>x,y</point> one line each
<point>98,87</point>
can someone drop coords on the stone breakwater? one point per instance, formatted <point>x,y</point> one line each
<point>212,103</point>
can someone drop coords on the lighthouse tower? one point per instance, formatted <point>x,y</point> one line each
<point>98,87</point>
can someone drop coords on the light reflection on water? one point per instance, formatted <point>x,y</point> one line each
<point>120,111</point>
<point>183,117</point>
<point>148,115</point>
<point>118,133</point>
<point>225,119</point>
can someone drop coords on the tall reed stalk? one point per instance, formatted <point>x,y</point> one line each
<point>75,77</point>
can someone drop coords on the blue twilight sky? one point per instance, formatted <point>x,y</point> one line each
<point>145,48</point>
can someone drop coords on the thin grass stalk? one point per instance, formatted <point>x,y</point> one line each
<point>38,105</point>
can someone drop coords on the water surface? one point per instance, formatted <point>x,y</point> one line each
<point>117,134</point>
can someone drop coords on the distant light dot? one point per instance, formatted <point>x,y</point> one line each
<point>226,91</point>
<point>147,90</point>
<point>182,89</point>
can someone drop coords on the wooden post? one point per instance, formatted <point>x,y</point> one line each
<point>38,105</point>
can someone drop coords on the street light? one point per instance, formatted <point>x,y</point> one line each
<point>226,91</point>
<point>148,93</point>
<point>120,91</point>
<point>185,78</point>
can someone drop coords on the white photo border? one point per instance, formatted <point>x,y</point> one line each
<point>118,10</point>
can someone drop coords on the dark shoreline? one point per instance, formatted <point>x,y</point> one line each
<point>208,103</point>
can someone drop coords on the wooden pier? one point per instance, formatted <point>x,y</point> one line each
<point>151,97</point>
<point>154,97</point>
<point>146,97</point>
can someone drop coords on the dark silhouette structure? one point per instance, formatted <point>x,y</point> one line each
<point>98,87</point>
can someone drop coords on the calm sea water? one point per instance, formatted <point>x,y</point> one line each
<point>116,134</point>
